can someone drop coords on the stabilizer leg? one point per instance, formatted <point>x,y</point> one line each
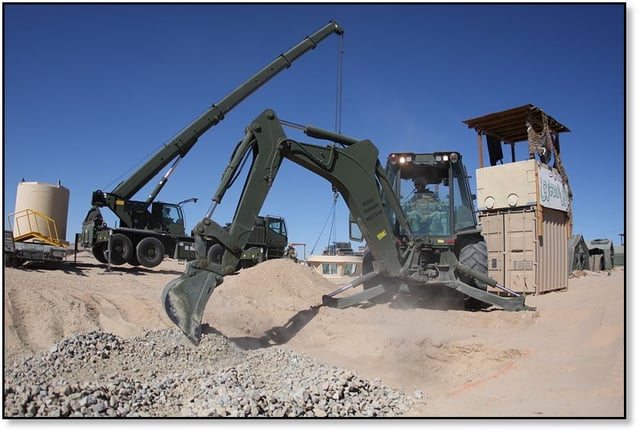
<point>353,299</point>
<point>513,303</point>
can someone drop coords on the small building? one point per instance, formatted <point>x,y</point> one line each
<point>618,255</point>
<point>601,254</point>
<point>337,261</point>
<point>524,207</point>
<point>578,254</point>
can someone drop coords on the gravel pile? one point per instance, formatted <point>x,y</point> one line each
<point>160,374</point>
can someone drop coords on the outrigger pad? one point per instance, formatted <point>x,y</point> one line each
<point>348,301</point>
<point>512,303</point>
<point>186,297</point>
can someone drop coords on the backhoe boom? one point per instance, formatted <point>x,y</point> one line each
<point>354,171</point>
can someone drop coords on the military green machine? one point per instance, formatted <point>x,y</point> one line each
<point>414,246</point>
<point>148,230</point>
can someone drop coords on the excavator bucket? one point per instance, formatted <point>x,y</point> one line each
<point>186,297</point>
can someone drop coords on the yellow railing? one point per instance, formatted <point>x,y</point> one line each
<point>31,224</point>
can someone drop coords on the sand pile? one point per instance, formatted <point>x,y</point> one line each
<point>266,302</point>
<point>566,358</point>
<point>279,284</point>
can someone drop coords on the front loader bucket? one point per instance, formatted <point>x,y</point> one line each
<point>186,297</point>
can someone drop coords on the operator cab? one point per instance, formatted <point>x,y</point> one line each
<point>433,189</point>
<point>169,217</point>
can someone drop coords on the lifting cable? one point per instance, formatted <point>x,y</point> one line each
<point>338,118</point>
<point>338,129</point>
<point>332,216</point>
<point>129,170</point>
<point>332,228</point>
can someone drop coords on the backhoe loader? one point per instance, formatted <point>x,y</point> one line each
<point>418,241</point>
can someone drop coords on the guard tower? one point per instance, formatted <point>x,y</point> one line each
<point>524,207</point>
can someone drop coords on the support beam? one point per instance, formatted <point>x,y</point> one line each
<point>480,153</point>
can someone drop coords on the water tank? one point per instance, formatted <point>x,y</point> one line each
<point>49,200</point>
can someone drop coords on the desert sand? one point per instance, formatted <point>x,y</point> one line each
<point>565,359</point>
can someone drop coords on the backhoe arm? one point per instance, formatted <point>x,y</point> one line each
<point>354,171</point>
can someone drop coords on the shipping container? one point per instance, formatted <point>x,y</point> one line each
<point>520,184</point>
<point>523,257</point>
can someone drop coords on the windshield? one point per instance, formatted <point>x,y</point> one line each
<point>278,227</point>
<point>432,191</point>
<point>426,207</point>
<point>171,214</point>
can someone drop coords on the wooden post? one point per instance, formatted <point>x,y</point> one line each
<point>480,155</point>
<point>539,210</point>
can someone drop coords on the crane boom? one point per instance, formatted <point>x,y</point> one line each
<point>182,143</point>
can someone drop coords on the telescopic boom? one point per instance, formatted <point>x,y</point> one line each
<point>182,143</point>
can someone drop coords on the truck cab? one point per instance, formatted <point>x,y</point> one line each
<point>268,240</point>
<point>168,218</point>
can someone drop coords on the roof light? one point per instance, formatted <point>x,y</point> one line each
<point>401,158</point>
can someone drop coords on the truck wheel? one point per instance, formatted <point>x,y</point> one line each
<point>214,255</point>
<point>12,262</point>
<point>150,252</point>
<point>99,252</point>
<point>16,262</point>
<point>474,255</point>
<point>121,249</point>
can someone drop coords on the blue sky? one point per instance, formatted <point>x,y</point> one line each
<point>91,91</point>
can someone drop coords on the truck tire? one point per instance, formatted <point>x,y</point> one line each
<point>16,262</point>
<point>474,255</point>
<point>121,249</point>
<point>99,252</point>
<point>214,255</point>
<point>11,261</point>
<point>150,252</point>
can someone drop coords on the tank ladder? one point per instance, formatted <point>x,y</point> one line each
<point>34,225</point>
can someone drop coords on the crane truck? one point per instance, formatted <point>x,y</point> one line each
<point>148,229</point>
<point>416,245</point>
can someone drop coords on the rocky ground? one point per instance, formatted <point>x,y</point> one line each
<point>83,342</point>
<point>159,374</point>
